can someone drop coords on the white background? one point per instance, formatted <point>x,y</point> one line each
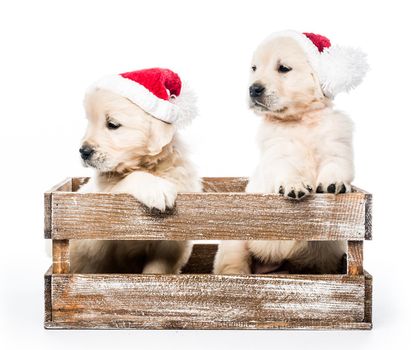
<point>50,51</point>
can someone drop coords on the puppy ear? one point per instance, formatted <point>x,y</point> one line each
<point>161,134</point>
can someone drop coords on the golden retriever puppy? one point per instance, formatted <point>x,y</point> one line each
<point>305,144</point>
<point>133,145</point>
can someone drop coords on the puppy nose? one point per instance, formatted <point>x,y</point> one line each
<point>256,90</point>
<point>86,152</point>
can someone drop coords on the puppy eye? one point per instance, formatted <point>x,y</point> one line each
<point>283,69</point>
<point>112,125</point>
<point>253,68</point>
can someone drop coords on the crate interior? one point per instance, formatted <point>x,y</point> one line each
<point>203,255</point>
<point>202,259</point>
<point>210,184</point>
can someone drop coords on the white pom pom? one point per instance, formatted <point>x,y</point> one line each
<point>187,104</point>
<point>341,69</point>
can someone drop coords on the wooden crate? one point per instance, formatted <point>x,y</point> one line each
<point>197,299</point>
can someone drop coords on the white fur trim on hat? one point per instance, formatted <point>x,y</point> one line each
<point>187,105</point>
<point>338,68</point>
<point>341,69</point>
<point>161,109</point>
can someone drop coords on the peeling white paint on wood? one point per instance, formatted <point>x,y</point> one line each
<point>195,299</point>
<point>208,301</point>
<point>207,298</point>
<point>211,216</point>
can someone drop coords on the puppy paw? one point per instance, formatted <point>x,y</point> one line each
<point>160,195</point>
<point>295,190</point>
<point>335,187</point>
<point>154,192</point>
<point>334,178</point>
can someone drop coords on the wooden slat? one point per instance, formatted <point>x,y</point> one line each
<point>202,259</point>
<point>304,324</point>
<point>368,217</point>
<point>65,185</point>
<point>224,184</point>
<point>60,256</point>
<point>77,182</point>
<point>47,297</point>
<point>205,301</point>
<point>264,325</point>
<point>368,212</point>
<point>355,258</point>
<point>368,310</point>
<point>210,216</point>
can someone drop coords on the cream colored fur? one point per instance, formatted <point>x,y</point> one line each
<point>304,144</point>
<point>145,158</point>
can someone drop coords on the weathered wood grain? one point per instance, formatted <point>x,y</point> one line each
<point>224,184</point>
<point>196,299</point>
<point>271,325</point>
<point>169,322</point>
<point>355,258</point>
<point>77,182</point>
<point>201,260</point>
<point>210,216</point>
<point>368,212</point>
<point>368,310</point>
<point>369,216</point>
<point>173,301</point>
<point>65,185</point>
<point>47,297</point>
<point>60,256</point>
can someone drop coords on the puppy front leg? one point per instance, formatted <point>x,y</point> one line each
<point>152,191</point>
<point>336,169</point>
<point>158,267</point>
<point>290,181</point>
<point>233,258</point>
<point>167,257</point>
<point>284,169</point>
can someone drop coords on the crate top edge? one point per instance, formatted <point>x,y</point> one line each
<point>312,277</point>
<point>363,195</point>
<point>226,194</point>
<point>356,190</point>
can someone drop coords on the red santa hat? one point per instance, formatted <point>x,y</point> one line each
<point>157,91</point>
<point>338,68</point>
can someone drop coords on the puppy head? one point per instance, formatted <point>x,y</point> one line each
<point>120,136</point>
<point>283,84</point>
